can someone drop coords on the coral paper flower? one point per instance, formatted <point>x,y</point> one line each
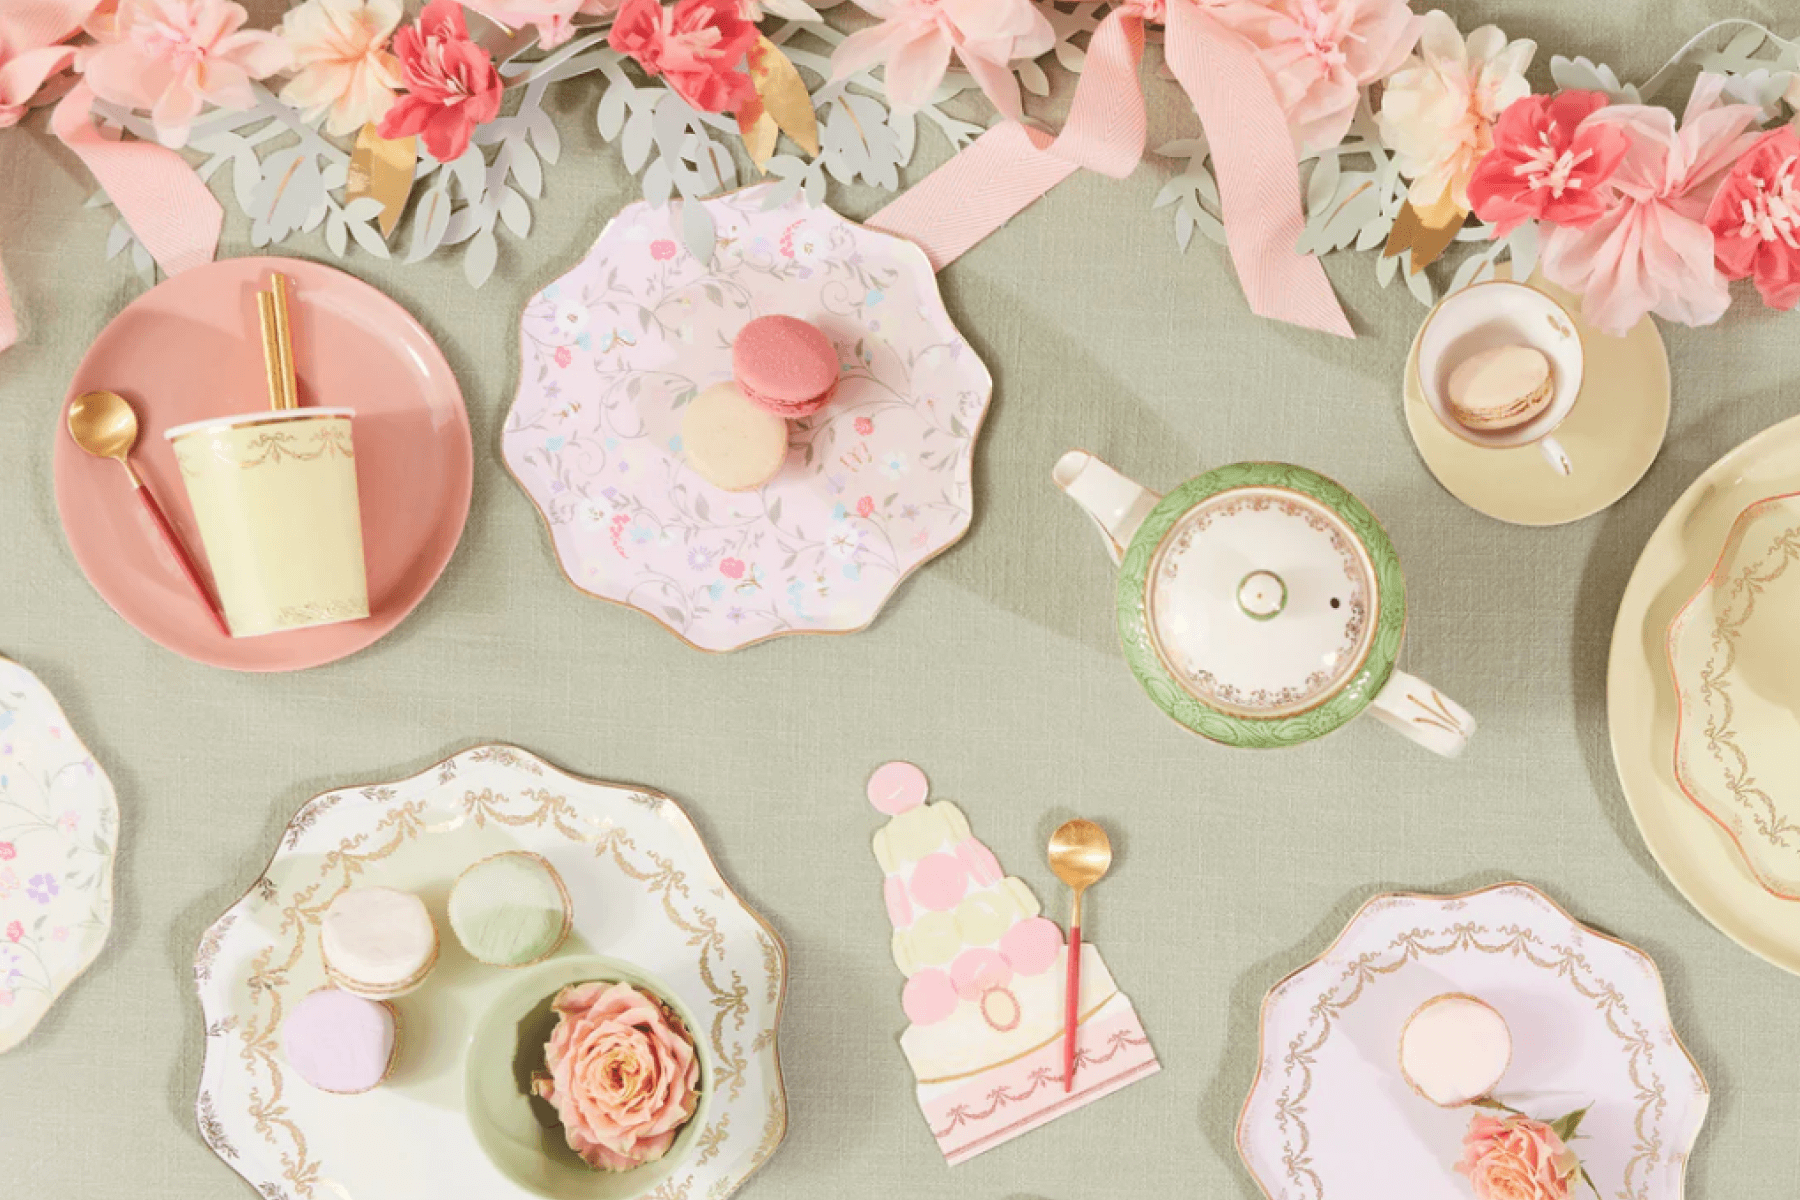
<point>451,83</point>
<point>173,57</point>
<point>1516,1158</point>
<point>1438,110</point>
<point>1546,165</point>
<point>553,19</point>
<point>697,45</point>
<point>916,38</point>
<point>343,67</point>
<point>623,1075</point>
<point>1755,219</point>
<point>1651,251</point>
<point>24,69</point>
<point>1319,54</point>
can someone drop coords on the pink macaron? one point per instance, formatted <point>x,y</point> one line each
<point>785,365</point>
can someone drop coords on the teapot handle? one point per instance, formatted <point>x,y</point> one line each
<point>1410,706</point>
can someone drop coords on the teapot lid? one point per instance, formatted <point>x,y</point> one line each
<point>1261,604</point>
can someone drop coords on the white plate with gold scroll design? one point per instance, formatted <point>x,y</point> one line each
<point>644,890</point>
<point>1589,1022</point>
<point>1734,654</point>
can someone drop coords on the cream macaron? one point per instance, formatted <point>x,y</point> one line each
<point>378,942</point>
<point>1500,388</point>
<point>1454,1049</point>
<point>731,442</point>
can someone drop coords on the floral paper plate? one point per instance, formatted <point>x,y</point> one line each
<point>644,890</point>
<point>1734,656</point>
<point>1589,1022</point>
<point>876,483</point>
<point>58,826</point>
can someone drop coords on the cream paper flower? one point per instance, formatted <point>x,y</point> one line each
<point>342,65</point>
<point>1438,110</point>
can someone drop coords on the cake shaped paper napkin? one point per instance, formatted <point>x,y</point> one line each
<point>984,982</point>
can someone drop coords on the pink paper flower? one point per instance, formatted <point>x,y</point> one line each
<point>174,57</point>
<point>1320,54</point>
<point>916,38</point>
<point>697,45</point>
<point>451,83</point>
<point>343,69</point>
<point>1755,219</point>
<point>553,19</point>
<point>623,1075</point>
<point>1516,1158</point>
<point>1438,110</point>
<point>1651,251</point>
<point>1546,165</point>
<point>30,51</point>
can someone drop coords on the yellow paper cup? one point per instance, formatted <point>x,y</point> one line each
<point>275,498</point>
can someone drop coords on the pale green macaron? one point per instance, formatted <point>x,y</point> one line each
<point>510,910</point>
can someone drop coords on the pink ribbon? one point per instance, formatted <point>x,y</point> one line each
<point>1010,166</point>
<point>167,206</point>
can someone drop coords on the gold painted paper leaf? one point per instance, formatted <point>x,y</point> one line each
<point>1427,232</point>
<point>382,168</point>
<point>783,95</point>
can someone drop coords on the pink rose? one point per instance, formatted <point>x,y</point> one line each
<point>1549,163</point>
<point>864,426</point>
<point>731,568</point>
<point>1755,219</point>
<point>7,853</point>
<point>697,45</point>
<point>451,83</point>
<point>662,250</point>
<point>563,356</point>
<point>865,506</point>
<point>14,932</point>
<point>623,1075</point>
<point>1516,1158</point>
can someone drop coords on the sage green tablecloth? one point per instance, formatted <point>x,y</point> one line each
<point>995,668</point>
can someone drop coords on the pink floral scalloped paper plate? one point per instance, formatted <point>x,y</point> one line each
<point>59,822</point>
<point>1590,1027</point>
<point>876,483</point>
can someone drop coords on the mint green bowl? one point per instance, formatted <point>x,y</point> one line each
<point>518,1131</point>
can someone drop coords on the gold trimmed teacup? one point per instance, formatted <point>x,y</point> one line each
<point>275,497</point>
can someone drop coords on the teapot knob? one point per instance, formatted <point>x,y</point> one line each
<point>1262,595</point>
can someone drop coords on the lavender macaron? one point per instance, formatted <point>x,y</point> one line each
<point>784,365</point>
<point>339,1042</point>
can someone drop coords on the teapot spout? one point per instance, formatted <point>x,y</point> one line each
<point>1116,504</point>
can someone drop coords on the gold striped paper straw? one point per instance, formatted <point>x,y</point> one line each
<point>271,340</point>
<point>284,339</point>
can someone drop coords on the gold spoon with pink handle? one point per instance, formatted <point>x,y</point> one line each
<point>1079,854</point>
<point>104,425</point>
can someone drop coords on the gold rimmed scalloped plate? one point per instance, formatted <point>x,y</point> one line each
<point>644,890</point>
<point>1696,855</point>
<point>1590,1027</point>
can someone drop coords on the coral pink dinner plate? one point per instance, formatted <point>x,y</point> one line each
<point>191,348</point>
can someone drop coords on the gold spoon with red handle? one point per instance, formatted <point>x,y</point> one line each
<point>104,425</point>
<point>1079,854</point>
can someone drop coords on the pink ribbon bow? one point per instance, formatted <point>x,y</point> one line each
<point>1011,165</point>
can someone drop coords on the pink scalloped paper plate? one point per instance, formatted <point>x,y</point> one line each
<point>877,482</point>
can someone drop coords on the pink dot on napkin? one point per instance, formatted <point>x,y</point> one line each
<point>897,787</point>
<point>939,881</point>
<point>1031,946</point>
<point>928,997</point>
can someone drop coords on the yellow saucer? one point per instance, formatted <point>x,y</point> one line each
<point>1612,435</point>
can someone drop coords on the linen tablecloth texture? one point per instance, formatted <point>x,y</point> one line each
<point>996,669</point>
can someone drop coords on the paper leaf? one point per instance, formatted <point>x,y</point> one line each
<point>382,168</point>
<point>431,220</point>
<point>760,133</point>
<point>1522,249</point>
<point>1425,232</point>
<point>479,261</point>
<point>1419,284</point>
<point>697,231</point>
<point>783,95</point>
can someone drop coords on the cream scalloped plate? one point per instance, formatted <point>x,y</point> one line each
<point>644,889</point>
<point>1695,853</point>
<point>59,823</point>
<point>1590,1026</point>
<point>1734,654</point>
